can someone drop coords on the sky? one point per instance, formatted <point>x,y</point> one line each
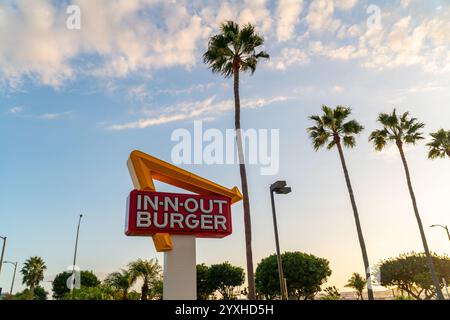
<point>75,102</point>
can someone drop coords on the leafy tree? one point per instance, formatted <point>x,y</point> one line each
<point>332,293</point>
<point>121,281</point>
<point>149,271</point>
<point>59,284</point>
<point>225,278</point>
<point>333,129</point>
<point>304,274</point>
<point>439,147</point>
<point>204,286</point>
<point>134,295</point>
<point>403,130</point>
<point>410,274</point>
<point>39,294</point>
<point>33,272</point>
<point>156,290</point>
<point>230,52</point>
<point>100,292</point>
<point>358,283</point>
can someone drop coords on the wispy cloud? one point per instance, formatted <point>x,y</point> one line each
<point>54,116</point>
<point>289,57</point>
<point>200,87</point>
<point>400,95</point>
<point>20,112</point>
<point>208,108</point>
<point>15,110</point>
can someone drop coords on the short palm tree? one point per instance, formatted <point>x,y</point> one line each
<point>403,130</point>
<point>33,272</point>
<point>358,283</point>
<point>147,270</point>
<point>439,147</point>
<point>230,52</point>
<point>121,280</point>
<point>332,129</point>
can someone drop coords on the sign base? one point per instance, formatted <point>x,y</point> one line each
<point>180,271</point>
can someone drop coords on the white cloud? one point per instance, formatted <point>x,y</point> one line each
<point>119,38</point>
<point>288,16</point>
<point>207,108</point>
<point>346,4</point>
<point>35,43</point>
<point>337,89</point>
<point>256,12</point>
<point>15,110</point>
<point>320,15</point>
<point>425,44</point>
<point>333,52</point>
<point>138,92</point>
<point>193,88</point>
<point>405,3</point>
<point>289,57</point>
<point>54,116</point>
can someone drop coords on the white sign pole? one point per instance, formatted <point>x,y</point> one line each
<point>180,273</point>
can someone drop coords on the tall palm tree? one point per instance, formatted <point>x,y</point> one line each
<point>358,283</point>
<point>33,272</point>
<point>121,280</point>
<point>403,130</point>
<point>230,52</point>
<point>333,129</point>
<point>440,145</point>
<point>148,270</point>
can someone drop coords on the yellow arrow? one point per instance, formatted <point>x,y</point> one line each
<point>144,169</point>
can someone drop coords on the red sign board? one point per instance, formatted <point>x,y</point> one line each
<point>150,212</point>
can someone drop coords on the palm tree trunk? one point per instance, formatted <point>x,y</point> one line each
<point>32,287</point>
<point>419,222</point>
<point>362,244</point>
<point>144,292</point>
<point>246,203</point>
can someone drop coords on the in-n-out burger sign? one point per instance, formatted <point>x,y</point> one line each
<point>175,220</point>
<point>204,212</point>
<point>150,212</point>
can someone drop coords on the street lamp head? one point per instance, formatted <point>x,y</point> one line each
<point>284,190</point>
<point>277,185</point>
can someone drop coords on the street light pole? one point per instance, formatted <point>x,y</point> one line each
<point>279,187</point>
<point>75,253</point>
<point>14,275</point>
<point>277,244</point>
<point>3,252</point>
<point>444,227</point>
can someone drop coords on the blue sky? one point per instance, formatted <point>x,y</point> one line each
<point>74,103</point>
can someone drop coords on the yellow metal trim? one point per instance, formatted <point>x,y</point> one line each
<point>162,242</point>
